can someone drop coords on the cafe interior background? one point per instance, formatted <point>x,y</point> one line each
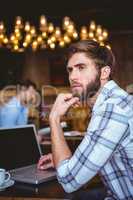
<point>35,34</point>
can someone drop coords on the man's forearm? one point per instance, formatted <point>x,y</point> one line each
<point>60,147</point>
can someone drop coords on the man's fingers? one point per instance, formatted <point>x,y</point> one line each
<point>46,165</point>
<point>45,162</point>
<point>72,101</point>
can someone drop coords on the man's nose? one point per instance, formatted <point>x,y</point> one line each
<point>74,75</point>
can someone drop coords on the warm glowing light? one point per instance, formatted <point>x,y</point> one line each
<point>27,27</point>
<point>28,37</point>
<point>84,30</point>
<point>34,45</point>
<point>66,22</point>
<point>67,38</point>
<point>105,33</point>
<point>108,46</point>
<point>12,38</point>
<point>16,47</point>
<point>5,40</point>
<point>2,27</point>
<point>33,31</point>
<point>1,36</point>
<point>83,33</point>
<point>39,39</point>
<point>75,35</point>
<point>52,45</point>
<point>43,20</point>
<point>44,35</point>
<point>19,22</point>
<point>25,44</point>
<point>57,32</point>
<point>49,41</point>
<point>91,35</point>
<point>50,27</point>
<point>100,38</point>
<point>62,43</point>
<point>92,26</point>
<point>47,35</point>
<point>99,30</point>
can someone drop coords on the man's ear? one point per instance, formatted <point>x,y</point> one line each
<point>105,73</point>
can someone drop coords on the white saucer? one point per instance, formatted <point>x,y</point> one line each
<point>7,184</point>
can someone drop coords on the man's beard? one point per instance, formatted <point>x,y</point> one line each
<point>90,91</point>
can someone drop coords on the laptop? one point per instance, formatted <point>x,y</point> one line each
<point>19,154</point>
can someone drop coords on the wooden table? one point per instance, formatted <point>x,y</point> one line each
<point>48,190</point>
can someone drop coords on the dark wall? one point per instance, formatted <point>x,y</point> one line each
<point>11,65</point>
<point>122,46</point>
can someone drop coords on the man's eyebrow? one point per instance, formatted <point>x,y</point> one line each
<point>77,65</point>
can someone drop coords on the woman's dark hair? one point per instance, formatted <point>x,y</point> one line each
<point>101,55</point>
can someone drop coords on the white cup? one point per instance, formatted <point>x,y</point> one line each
<point>4,176</point>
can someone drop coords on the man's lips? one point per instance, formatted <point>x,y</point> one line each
<point>76,85</point>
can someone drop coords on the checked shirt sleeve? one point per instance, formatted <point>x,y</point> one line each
<point>106,129</point>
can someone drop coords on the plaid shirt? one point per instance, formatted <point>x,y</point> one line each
<point>107,147</point>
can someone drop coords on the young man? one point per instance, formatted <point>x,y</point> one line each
<point>107,148</point>
<point>15,111</point>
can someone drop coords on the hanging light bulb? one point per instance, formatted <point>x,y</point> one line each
<point>43,20</point>
<point>18,22</point>
<point>33,31</point>
<point>105,34</point>
<point>75,35</point>
<point>1,36</point>
<point>15,47</point>
<point>99,30</point>
<point>52,46</point>
<point>100,38</point>
<point>39,39</point>
<point>57,32</point>
<point>25,44</point>
<point>61,43</point>
<point>66,22</point>
<point>34,45</point>
<point>5,40</point>
<point>50,27</point>
<point>27,27</point>
<point>67,39</point>
<point>91,35</point>
<point>12,37</point>
<point>92,26</point>
<point>28,38</point>
<point>83,33</point>
<point>43,23</point>
<point>44,35</point>
<point>2,28</point>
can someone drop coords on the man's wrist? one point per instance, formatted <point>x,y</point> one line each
<point>54,119</point>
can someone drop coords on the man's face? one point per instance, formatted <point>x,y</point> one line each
<point>30,95</point>
<point>83,76</point>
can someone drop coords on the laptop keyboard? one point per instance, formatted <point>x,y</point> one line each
<point>32,171</point>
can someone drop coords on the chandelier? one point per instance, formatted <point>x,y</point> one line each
<point>48,36</point>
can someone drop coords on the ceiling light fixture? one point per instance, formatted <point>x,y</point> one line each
<point>49,36</point>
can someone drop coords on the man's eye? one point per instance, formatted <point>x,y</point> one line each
<point>81,67</point>
<point>69,70</point>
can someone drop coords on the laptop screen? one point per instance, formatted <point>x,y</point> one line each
<point>18,147</point>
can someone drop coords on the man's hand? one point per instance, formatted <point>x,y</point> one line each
<point>45,162</point>
<point>62,104</point>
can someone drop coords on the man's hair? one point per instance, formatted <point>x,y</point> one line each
<point>101,55</point>
<point>26,84</point>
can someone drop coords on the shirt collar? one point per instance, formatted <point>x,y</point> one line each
<point>105,93</point>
